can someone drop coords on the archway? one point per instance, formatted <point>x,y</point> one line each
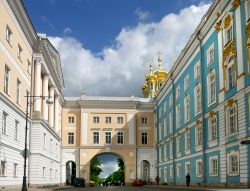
<point>107,168</point>
<point>145,170</point>
<point>70,172</point>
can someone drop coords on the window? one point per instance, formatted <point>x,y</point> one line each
<point>29,67</point>
<point>199,168</point>
<point>171,172</point>
<point>231,76</point>
<point>18,91</point>
<point>165,107</point>
<point>178,92</point>
<point>178,116</point>
<point>144,120</point>
<point>211,87</point>
<point>187,140</point>
<point>108,119</point>
<point>197,99</point>
<point>151,87</point>
<point>178,144</point>
<point>186,82</point>
<point>199,135</point>
<point>179,170</point>
<point>50,173</point>
<point>144,138</point>
<point>160,154</point>
<point>120,137</point>
<point>16,130</point>
<point>166,152</point>
<point>171,122</point>
<point>229,34</point>
<point>212,124</point>
<point>171,101</point>
<point>9,35</point>
<point>233,160</point>
<point>3,168</point>
<point>96,137</point>
<point>70,138</point>
<point>120,120</point>
<point>15,170</point>
<point>197,69</point>
<point>43,172</point>
<point>210,54</point>
<point>71,119</point>
<point>96,119</point>
<point>4,125</point>
<point>232,119</point>
<point>187,108</point>
<point>165,175</point>
<point>171,149</point>
<point>213,166</point>
<point>6,79</point>
<point>44,141</point>
<point>108,137</point>
<point>187,167</point>
<point>160,131</point>
<point>248,10</point>
<point>19,52</point>
<point>56,174</point>
<point>51,143</point>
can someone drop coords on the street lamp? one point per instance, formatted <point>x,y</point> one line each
<point>49,102</point>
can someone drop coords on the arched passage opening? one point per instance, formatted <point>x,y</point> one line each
<point>107,168</point>
<point>145,170</point>
<point>70,172</point>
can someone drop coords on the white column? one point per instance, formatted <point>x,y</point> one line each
<point>45,94</point>
<point>131,128</point>
<point>37,88</point>
<point>56,114</point>
<point>51,107</point>
<point>84,128</point>
<point>221,75</point>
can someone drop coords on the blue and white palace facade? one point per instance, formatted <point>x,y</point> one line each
<point>202,108</point>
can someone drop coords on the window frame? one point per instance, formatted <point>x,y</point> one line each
<point>96,119</point>
<point>228,117</point>
<point>199,173</point>
<point>110,137</point>
<point>9,35</point>
<point>209,85</point>
<point>210,126</point>
<point>3,171</point>
<point>229,155</point>
<point>210,59</point>
<point>117,136</point>
<point>211,167</point>
<point>197,70</point>
<point>197,100</point>
<point>71,138</point>
<point>144,138</point>
<point>108,120</point>
<point>96,137</point>
<point>18,91</point>
<point>7,79</point>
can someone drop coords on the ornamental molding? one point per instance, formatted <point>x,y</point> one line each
<point>230,49</point>
<point>218,26</point>
<point>211,113</point>
<point>236,4</point>
<point>230,102</point>
<point>198,122</point>
<point>247,31</point>
<point>227,21</point>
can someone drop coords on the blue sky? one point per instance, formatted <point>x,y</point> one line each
<point>112,35</point>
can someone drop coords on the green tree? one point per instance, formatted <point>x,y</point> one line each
<point>95,169</point>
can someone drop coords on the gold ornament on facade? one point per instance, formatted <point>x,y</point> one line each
<point>236,4</point>
<point>218,26</point>
<point>228,50</point>
<point>198,122</point>
<point>211,113</point>
<point>187,129</point>
<point>227,21</point>
<point>165,142</point>
<point>171,138</point>
<point>247,31</point>
<point>230,102</point>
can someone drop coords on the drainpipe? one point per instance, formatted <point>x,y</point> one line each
<point>173,104</point>
<point>199,38</point>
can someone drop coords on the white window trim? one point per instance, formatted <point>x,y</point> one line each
<point>186,82</point>
<point>178,92</point>
<point>228,120</point>
<point>171,171</point>
<point>232,153</point>
<point>225,34</point>
<point>117,138</point>
<point>196,100</point>
<point>196,167</point>
<point>177,170</point>
<point>209,61</point>
<point>196,135</point>
<point>210,165</point>
<point>195,70</point>
<point>209,89</point>
<point>187,163</point>
<point>110,137</point>
<point>178,115</point>
<point>98,137</point>
<point>165,174</point>
<point>210,128</point>
<point>187,150</point>
<point>171,122</point>
<point>231,64</point>
<point>166,152</point>
<point>187,118</point>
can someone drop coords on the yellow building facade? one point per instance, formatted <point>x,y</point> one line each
<point>96,125</point>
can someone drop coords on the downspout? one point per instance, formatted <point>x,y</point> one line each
<point>199,38</point>
<point>173,114</point>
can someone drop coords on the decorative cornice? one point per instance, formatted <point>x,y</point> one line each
<point>211,113</point>
<point>230,102</point>
<point>236,4</point>
<point>227,21</point>
<point>218,26</point>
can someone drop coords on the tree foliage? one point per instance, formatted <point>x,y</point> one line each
<point>95,169</point>
<point>117,176</point>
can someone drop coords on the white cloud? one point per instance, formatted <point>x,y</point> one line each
<point>108,168</point>
<point>120,69</point>
<point>67,31</point>
<point>142,15</point>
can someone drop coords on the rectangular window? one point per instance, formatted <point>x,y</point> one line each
<point>96,119</point>
<point>179,170</point>
<point>178,92</point>
<point>44,172</point>
<point>120,137</point>
<point>187,108</point>
<point>197,99</point>
<point>56,174</point>
<point>178,144</point>
<point>18,91</point>
<point>96,137</point>
<point>212,87</point>
<point>6,79</point>
<point>15,170</point>
<point>199,135</point>
<point>186,82</point>
<point>212,129</point>
<point>144,120</point>
<point>231,78</point>
<point>232,120</point>
<point>187,167</point>
<point>51,144</point>
<point>9,35</point>
<point>108,137</point>
<point>166,152</point>
<point>171,101</point>
<point>171,172</point>
<point>19,52</point>
<point>108,119</point>
<point>171,122</point>
<point>187,144</point>
<point>16,130</point>
<point>120,120</point>
<point>50,173</point>
<point>4,125</point>
<point>214,166</point>
<point>44,141</point>
<point>229,34</point>
<point>71,119</point>
<point>171,149</point>
<point>3,168</point>
<point>199,168</point>
<point>197,70</point>
<point>178,116</point>
<point>233,164</point>
<point>210,55</point>
<point>29,66</point>
<point>70,138</point>
<point>144,138</point>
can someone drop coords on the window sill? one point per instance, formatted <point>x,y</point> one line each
<point>231,174</point>
<point>214,174</point>
<point>199,175</point>
<point>178,154</point>
<point>213,143</point>
<point>187,151</point>
<point>212,103</point>
<point>198,147</point>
